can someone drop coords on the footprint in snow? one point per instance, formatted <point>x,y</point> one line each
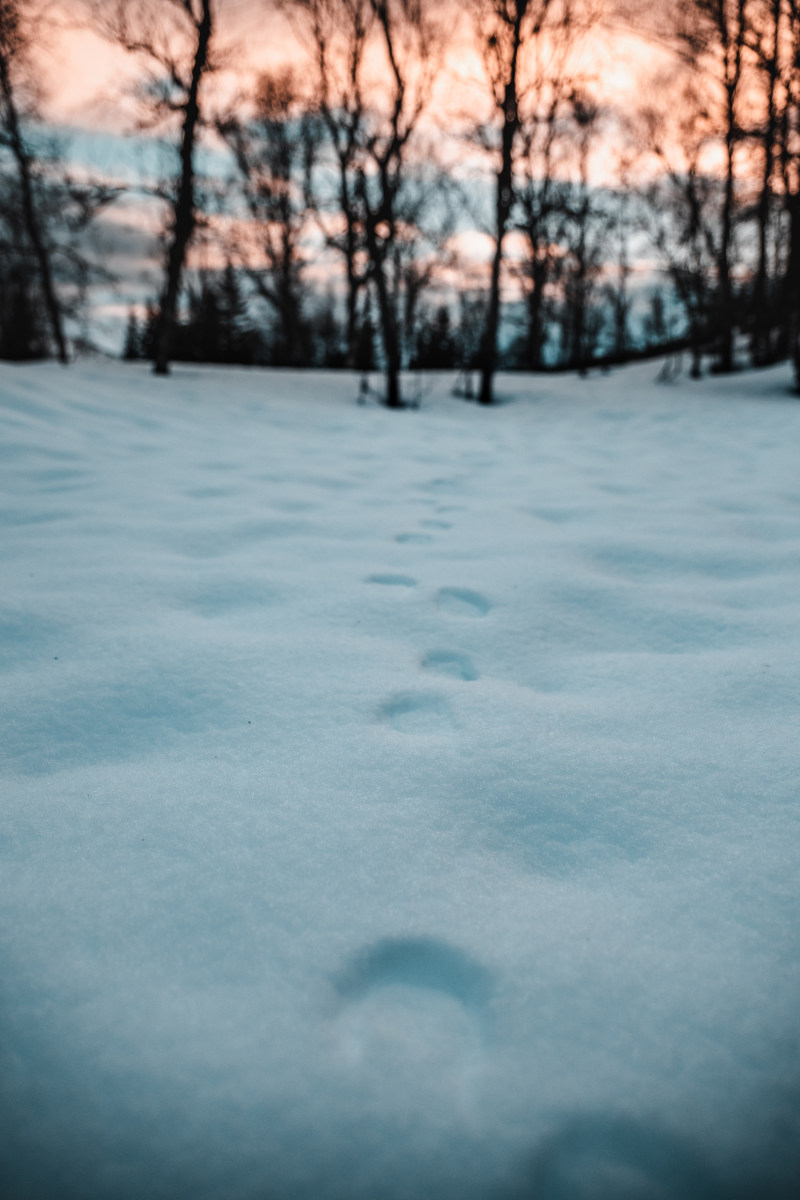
<point>416,962</point>
<point>419,1009</point>
<point>461,602</point>
<point>609,1157</point>
<point>389,580</point>
<point>452,663</point>
<point>418,712</point>
<point>414,539</point>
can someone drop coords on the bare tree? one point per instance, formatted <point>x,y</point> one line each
<point>275,151</point>
<point>764,34</point>
<point>14,46</point>
<point>788,151</point>
<point>174,39</point>
<point>540,193</point>
<point>681,209</point>
<point>425,221</point>
<point>375,65</point>
<point>45,212</point>
<point>586,241</point>
<point>515,37</point>
<point>617,290</point>
<point>503,26</point>
<point>337,34</point>
<point>409,40</point>
<point>712,35</point>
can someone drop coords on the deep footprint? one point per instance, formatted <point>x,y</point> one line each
<point>452,663</point>
<point>462,602</point>
<point>417,962</point>
<point>406,581</point>
<point>417,712</point>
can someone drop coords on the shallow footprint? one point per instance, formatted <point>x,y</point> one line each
<point>463,603</point>
<point>406,581</point>
<point>452,663</point>
<point>414,539</point>
<point>417,712</point>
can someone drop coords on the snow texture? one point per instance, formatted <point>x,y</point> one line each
<point>398,805</point>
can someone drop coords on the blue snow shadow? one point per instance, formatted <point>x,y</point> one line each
<point>597,1156</point>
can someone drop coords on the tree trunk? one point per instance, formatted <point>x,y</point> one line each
<point>535,306</point>
<point>725,359</point>
<point>731,43</point>
<point>184,215</point>
<point>354,282</point>
<point>30,215</point>
<point>389,337</point>
<point>792,286</point>
<point>503,211</point>
<point>376,249</point>
<point>762,310</point>
<point>489,349</point>
<point>353,333</point>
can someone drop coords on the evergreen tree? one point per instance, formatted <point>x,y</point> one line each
<point>23,334</point>
<point>237,337</point>
<point>133,349</point>
<point>436,346</point>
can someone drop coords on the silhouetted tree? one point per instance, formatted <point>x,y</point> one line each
<point>586,244</point>
<point>132,349</point>
<point>436,346</point>
<point>713,36</point>
<point>503,27</point>
<point>45,213</point>
<point>681,209</point>
<point>375,63</point>
<point>540,211</point>
<point>655,327</point>
<point>274,151</point>
<point>337,34</point>
<point>174,38</point>
<point>617,290</point>
<point>788,151</point>
<point>409,40</point>
<point>764,35</point>
<point>215,326</point>
<point>239,341</point>
<point>329,339</point>
<point>14,66</point>
<point>512,36</point>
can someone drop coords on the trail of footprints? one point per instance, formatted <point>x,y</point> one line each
<point>418,712</point>
<point>429,971</point>
<point>397,994</point>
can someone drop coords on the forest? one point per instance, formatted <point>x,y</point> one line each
<point>421,186</point>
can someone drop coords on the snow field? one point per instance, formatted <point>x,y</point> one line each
<point>398,805</point>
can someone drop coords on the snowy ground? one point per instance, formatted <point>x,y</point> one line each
<point>398,805</point>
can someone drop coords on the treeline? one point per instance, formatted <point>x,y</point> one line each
<point>344,242</point>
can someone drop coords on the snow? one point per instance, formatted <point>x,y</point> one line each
<point>398,805</point>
